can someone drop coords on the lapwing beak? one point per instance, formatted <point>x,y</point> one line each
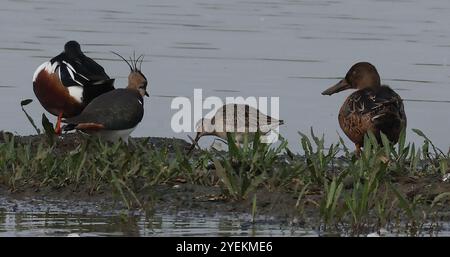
<point>340,86</point>
<point>194,142</point>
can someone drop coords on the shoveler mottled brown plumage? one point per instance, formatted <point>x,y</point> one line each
<point>373,107</point>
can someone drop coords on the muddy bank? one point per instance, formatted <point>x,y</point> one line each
<point>171,199</point>
<point>155,174</point>
<point>69,141</point>
<point>177,197</point>
<point>172,196</point>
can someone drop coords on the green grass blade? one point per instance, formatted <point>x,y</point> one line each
<point>24,103</point>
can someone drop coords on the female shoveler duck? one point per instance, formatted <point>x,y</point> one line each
<point>241,119</point>
<point>373,107</point>
<point>115,114</point>
<point>68,82</point>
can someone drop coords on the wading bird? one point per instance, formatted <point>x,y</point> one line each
<point>68,82</point>
<point>115,114</point>
<point>241,119</point>
<point>373,107</point>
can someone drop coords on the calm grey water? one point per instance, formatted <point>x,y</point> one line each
<point>70,224</point>
<point>50,217</point>
<point>44,217</point>
<point>286,48</point>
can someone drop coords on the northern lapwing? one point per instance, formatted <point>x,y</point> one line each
<point>373,107</point>
<point>240,119</point>
<point>115,114</point>
<point>68,82</point>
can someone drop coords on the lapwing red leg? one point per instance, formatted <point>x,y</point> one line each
<point>58,124</point>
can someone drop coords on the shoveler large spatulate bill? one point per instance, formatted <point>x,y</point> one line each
<point>373,107</point>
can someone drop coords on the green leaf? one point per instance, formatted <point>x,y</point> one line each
<point>427,140</point>
<point>439,198</point>
<point>48,128</point>
<point>443,165</point>
<point>331,192</point>
<point>116,182</point>
<point>22,104</point>
<point>346,150</point>
<point>25,102</point>
<point>302,193</point>
<point>232,145</point>
<point>404,203</point>
<point>386,144</point>
<point>221,173</point>
<point>47,125</point>
<point>420,133</point>
<point>402,140</point>
<point>254,183</point>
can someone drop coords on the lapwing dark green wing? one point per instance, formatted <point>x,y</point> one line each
<point>115,114</point>
<point>67,83</point>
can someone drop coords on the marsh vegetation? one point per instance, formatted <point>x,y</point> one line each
<point>402,189</point>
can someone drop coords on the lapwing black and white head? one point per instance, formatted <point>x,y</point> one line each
<point>115,114</point>
<point>240,119</point>
<point>67,83</point>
